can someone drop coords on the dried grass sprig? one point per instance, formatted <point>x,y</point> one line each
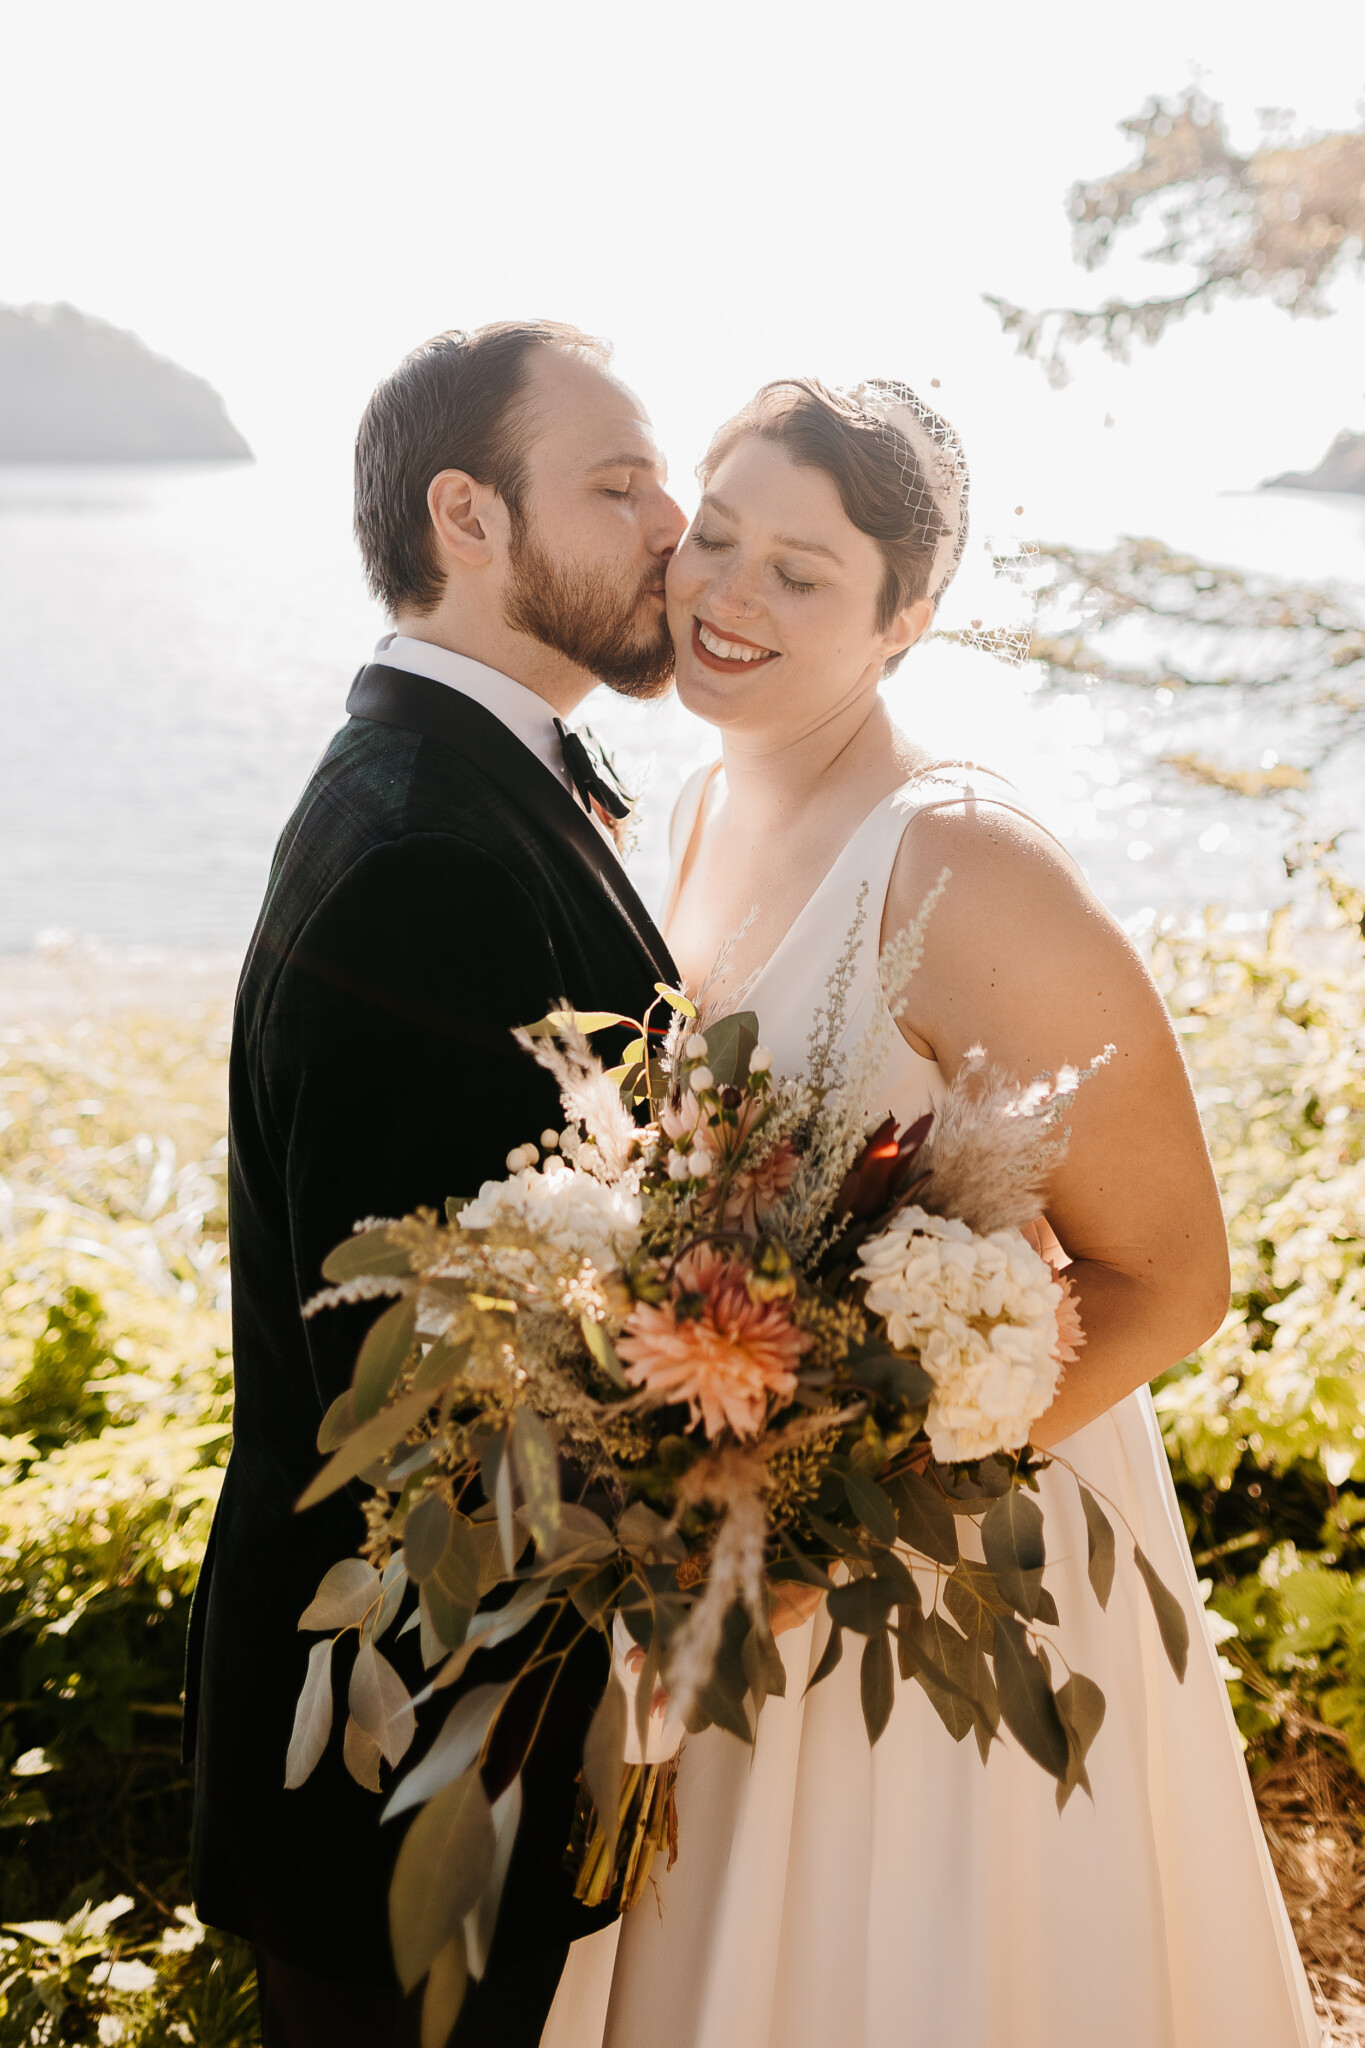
<point>994,1146</point>
<point>589,1095</point>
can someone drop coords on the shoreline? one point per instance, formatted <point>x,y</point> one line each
<point>62,983</point>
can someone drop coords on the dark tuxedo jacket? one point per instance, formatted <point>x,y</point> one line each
<point>436,886</point>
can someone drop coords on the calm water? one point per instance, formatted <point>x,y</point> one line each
<point>176,645</point>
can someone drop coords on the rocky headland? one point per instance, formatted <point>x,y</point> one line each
<point>1342,469</point>
<point>74,389</point>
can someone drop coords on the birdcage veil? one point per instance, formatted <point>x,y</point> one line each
<point>933,470</point>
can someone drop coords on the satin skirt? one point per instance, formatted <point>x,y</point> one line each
<point>909,1896</point>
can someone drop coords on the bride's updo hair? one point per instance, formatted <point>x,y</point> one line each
<point>898,468</point>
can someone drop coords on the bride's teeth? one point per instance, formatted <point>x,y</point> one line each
<point>726,650</point>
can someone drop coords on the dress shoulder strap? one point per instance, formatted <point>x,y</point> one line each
<point>682,830</point>
<point>872,851</point>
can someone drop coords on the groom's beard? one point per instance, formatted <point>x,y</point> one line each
<point>578,613</point>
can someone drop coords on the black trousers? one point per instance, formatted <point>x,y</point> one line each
<point>507,2010</point>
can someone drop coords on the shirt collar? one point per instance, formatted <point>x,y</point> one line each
<point>524,714</point>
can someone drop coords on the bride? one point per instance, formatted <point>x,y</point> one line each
<point>828,1896</point>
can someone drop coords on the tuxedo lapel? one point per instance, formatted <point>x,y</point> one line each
<point>392,696</point>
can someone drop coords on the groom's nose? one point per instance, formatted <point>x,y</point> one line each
<point>668,527</point>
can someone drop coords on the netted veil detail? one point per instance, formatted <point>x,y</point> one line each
<point>933,469</point>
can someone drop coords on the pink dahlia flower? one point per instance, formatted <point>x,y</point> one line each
<point>724,1362</point>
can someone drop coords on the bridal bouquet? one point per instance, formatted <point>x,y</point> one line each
<point>720,1331</point>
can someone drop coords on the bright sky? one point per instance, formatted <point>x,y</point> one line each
<point>286,196</point>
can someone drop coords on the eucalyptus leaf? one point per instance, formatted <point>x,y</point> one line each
<point>926,1521</point>
<point>443,1623</point>
<point>593,1596</point>
<point>649,1537</point>
<point>871,1505</point>
<point>1170,1615</point>
<point>537,1469</point>
<point>312,1717</point>
<point>968,1486</point>
<point>730,1044</point>
<point>448,1611</point>
<point>833,1651</point>
<point>442,1869</point>
<point>441,1363</point>
<point>842,1542</point>
<point>502,1500</point>
<point>346,1594</point>
<point>361,1755</point>
<point>426,1533</point>
<point>862,1605</point>
<point>447,1983</point>
<point>1080,1704</point>
<point>1012,1538</point>
<point>604,1760</point>
<point>481,1920</point>
<point>386,1349</point>
<point>337,1423</point>
<point>394,1584</point>
<point>603,1351</point>
<point>455,1747</point>
<point>584,1537</point>
<point>676,999</point>
<point>971,1596</point>
<point>380,1703</point>
<point>877,1685</point>
<point>812,1573</point>
<point>873,1364</point>
<point>939,1661</point>
<point>763,1667</point>
<point>370,1441</point>
<point>367,1255</point>
<point>980,1683</point>
<point>1026,1702</point>
<point>586,1021</point>
<point>1099,1532</point>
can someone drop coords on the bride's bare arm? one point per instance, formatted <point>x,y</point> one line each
<point>1022,959</point>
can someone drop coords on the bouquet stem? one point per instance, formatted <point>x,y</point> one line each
<point>647,1823</point>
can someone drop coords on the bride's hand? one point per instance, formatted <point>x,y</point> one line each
<point>790,1603</point>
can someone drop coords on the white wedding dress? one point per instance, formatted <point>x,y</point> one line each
<point>831,1896</point>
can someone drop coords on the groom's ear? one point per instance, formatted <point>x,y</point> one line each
<point>460,510</point>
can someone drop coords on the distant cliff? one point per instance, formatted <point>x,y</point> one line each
<point>1342,469</point>
<point>74,389</point>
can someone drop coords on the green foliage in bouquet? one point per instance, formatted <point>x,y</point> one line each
<point>1266,1425</point>
<point>760,1338</point>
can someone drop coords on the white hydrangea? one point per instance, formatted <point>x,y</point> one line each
<point>980,1314</point>
<point>560,1210</point>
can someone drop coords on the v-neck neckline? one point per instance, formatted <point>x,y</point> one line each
<point>747,985</point>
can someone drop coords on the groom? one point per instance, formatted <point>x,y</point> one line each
<point>448,874</point>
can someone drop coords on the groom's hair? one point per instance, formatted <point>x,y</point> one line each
<point>454,403</point>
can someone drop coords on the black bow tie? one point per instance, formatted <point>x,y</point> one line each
<point>592,773</point>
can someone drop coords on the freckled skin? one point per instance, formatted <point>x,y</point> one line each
<point>1020,955</point>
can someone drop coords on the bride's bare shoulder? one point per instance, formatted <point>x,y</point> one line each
<point>1017,942</point>
<point>991,844</point>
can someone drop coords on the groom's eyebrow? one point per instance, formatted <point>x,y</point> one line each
<point>784,540</point>
<point>633,459</point>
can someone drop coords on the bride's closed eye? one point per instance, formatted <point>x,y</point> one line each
<point>712,545</point>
